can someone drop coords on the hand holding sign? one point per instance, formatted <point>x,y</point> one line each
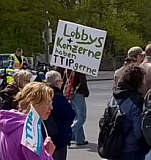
<point>49,146</point>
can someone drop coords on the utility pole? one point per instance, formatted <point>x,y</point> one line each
<point>47,34</point>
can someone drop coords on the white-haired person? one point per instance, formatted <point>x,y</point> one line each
<point>62,114</point>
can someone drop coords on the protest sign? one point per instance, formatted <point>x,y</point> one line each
<point>78,47</point>
<point>31,137</point>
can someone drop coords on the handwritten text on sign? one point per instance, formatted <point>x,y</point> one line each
<point>78,48</point>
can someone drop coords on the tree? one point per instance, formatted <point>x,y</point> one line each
<point>115,17</point>
<point>23,21</point>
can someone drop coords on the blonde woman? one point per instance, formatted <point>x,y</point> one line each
<point>12,122</point>
<point>20,79</point>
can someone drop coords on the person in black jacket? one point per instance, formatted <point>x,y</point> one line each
<point>62,114</point>
<point>127,92</point>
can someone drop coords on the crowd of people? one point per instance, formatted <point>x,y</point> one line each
<point>132,84</point>
<point>60,103</point>
<point>62,118</point>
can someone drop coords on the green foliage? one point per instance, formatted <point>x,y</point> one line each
<point>22,22</point>
<point>119,18</point>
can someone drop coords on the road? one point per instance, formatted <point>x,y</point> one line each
<point>100,92</point>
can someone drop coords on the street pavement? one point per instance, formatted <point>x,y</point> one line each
<point>100,92</point>
<point>102,75</point>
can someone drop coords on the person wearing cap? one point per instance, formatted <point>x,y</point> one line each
<point>17,59</point>
<point>134,55</point>
<point>137,54</point>
<point>146,64</point>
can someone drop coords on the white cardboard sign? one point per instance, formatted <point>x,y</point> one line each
<point>31,137</point>
<point>78,47</point>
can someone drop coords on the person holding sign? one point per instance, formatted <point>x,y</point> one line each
<point>76,92</point>
<point>20,132</point>
<point>81,91</point>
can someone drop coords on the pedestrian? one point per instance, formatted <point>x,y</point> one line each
<point>62,114</point>
<point>75,84</point>
<point>137,54</point>
<point>119,71</point>
<point>134,55</point>
<point>12,123</point>
<point>20,79</point>
<point>79,93</point>
<point>146,65</point>
<point>17,59</point>
<point>146,109</point>
<point>132,104</point>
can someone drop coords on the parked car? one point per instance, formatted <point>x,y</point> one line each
<point>4,60</point>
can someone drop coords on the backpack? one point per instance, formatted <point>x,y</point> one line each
<point>146,122</point>
<point>110,140</point>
